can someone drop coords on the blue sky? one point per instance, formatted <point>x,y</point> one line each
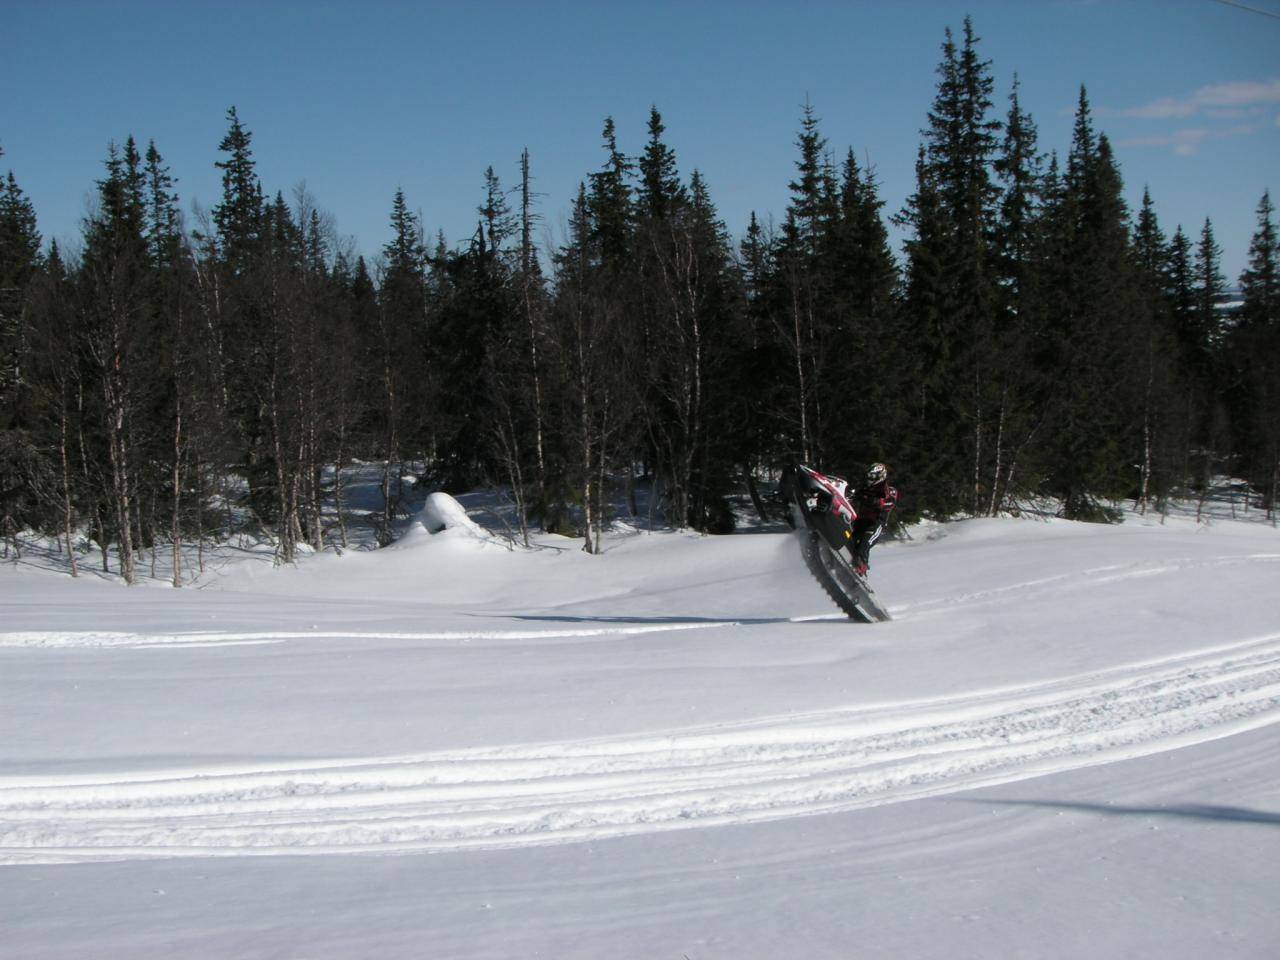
<point>357,99</point>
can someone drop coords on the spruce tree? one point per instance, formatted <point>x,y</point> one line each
<point>585,343</point>
<point>533,305</point>
<point>961,140</point>
<point>805,312</point>
<point>1209,287</point>
<point>659,190</point>
<point>1167,423</point>
<point>1182,292</point>
<point>1018,169</point>
<point>929,457</point>
<point>19,263</point>
<point>1091,308</point>
<point>808,190</point>
<point>1260,281</point>
<point>1149,247</point>
<point>610,204</point>
<point>860,279</point>
<point>1256,355</point>
<point>22,465</point>
<point>238,214</point>
<point>399,350</point>
<point>163,217</point>
<point>762,369</point>
<point>118,318</point>
<point>234,294</point>
<point>959,148</point>
<point>499,222</point>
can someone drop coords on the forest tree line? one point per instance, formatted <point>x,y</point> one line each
<point>1035,339</point>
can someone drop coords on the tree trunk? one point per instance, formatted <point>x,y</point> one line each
<point>176,534</point>
<point>977,438</point>
<point>587,473</point>
<point>339,481</point>
<point>119,476</point>
<point>994,506</point>
<point>754,492</point>
<point>800,379</point>
<point>67,515</point>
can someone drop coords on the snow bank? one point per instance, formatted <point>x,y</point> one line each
<point>442,514</point>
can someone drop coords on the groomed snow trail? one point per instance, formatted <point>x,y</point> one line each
<point>1084,580</point>
<point>103,638</point>
<point>583,790</point>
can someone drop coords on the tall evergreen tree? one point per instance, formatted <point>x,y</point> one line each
<point>19,263</point>
<point>1209,287</point>
<point>804,310</point>
<point>1091,323</point>
<point>499,222</point>
<point>809,191</point>
<point>928,463</point>
<point>238,215</point>
<point>1018,384</point>
<point>399,351</point>
<point>659,189</point>
<point>1260,281</point>
<point>960,144</point>
<point>610,203</point>
<point>587,344</point>
<point>118,324</point>
<point>533,305</point>
<point>1149,247</point>
<point>961,140</point>
<point>861,278</point>
<point>163,216</point>
<point>1256,354</point>
<point>1166,423</point>
<point>1183,299</point>
<point>21,463</point>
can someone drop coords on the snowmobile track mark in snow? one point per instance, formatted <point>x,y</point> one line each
<point>100,638</point>
<point>773,768</point>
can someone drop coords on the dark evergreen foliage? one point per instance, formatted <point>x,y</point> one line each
<point>23,468</point>
<point>1256,352</point>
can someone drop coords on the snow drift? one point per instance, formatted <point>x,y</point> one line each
<point>442,515</point>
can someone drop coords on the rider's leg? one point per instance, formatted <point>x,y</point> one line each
<point>862,551</point>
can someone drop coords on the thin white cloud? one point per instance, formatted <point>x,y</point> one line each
<point>1240,95</point>
<point>1184,142</point>
<point>1187,141</point>
<point>1234,113</point>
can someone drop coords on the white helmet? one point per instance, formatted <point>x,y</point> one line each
<point>877,473</point>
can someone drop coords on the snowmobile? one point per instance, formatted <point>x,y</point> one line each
<point>823,517</point>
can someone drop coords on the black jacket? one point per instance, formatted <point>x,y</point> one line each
<point>874,503</point>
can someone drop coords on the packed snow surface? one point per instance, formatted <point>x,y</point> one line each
<point>1064,744</point>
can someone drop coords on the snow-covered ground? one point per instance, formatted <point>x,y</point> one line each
<point>1064,745</point>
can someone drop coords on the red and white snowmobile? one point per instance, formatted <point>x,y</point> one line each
<point>822,515</point>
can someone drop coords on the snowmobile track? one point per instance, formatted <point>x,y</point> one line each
<point>579,790</point>
<point>138,641</point>
<point>857,601</point>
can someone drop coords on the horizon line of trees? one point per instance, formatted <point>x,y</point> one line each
<point>1037,338</point>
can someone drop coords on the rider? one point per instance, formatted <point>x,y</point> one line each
<point>873,501</point>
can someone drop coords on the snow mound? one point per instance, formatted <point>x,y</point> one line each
<point>443,514</point>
